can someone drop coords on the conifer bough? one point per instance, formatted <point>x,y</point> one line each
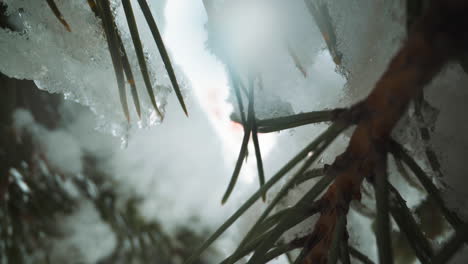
<point>435,38</point>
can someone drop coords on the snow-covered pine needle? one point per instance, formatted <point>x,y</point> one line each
<point>125,62</point>
<point>292,121</point>
<point>400,153</point>
<point>452,246</point>
<point>332,131</point>
<point>58,14</point>
<point>384,241</point>
<point>162,51</point>
<point>127,6</point>
<point>112,41</point>
<point>408,226</point>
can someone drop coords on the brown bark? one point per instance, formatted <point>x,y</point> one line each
<point>436,38</point>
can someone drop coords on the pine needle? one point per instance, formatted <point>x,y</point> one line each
<point>359,255</point>
<point>285,249</point>
<point>112,41</point>
<point>337,239</point>
<point>291,219</point>
<point>296,60</point>
<point>317,146</point>
<point>129,74</point>
<point>58,14</point>
<point>322,18</point>
<point>236,84</point>
<point>384,242</point>
<point>258,154</point>
<point>162,50</point>
<point>127,6</point>
<point>452,246</point>
<point>125,62</point>
<point>240,160</point>
<point>400,153</point>
<point>246,205</point>
<point>344,252</point>
<point>408,226</point>
<point>287,122</point>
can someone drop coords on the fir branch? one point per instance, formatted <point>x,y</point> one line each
<point>418,61</point>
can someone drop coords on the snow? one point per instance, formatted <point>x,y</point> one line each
<point>61,150</point>
<point>77,64</point>
<point>89,239</point>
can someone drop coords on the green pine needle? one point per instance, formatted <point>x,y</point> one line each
<point>408,226</point>
<point>359,255</point>
<point>127,6</point>
<point>125,62</point>
<point>58,14</point>
<point>384,241</point>
<point>162,50</point>
<point>344,252</point>
<point>317,146</point>
<point>287,122</point>
<point>129,74</point>
<point>291,219</point>
<point>240,160</point>
<point>337,239</point>
<point>112,40</point>
<point>258,154</point>
<point>452,246</point>
<point>400,153</point>
<point>331,131</point>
